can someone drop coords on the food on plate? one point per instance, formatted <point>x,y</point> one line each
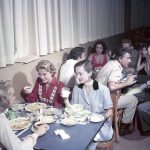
<point>47,119</point>
<point>96,118</point>
<point>34,127</point>
<point>16,107</point>
<point>77,111</point>
<point>69,121</point>
<point>20,123</point>
<point>35,106</point>
<point>49,111</point>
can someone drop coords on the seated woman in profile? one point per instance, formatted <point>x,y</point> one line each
<point>47,88</point>
<point>8,139</point>
<point>98,56</point>
<point>94,96</point>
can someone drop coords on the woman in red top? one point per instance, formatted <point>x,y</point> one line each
<point>47,88</point>
<point>98,56</point>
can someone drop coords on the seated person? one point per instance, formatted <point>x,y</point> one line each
<point>47,88</point>
<point>111,75</point>
<point>142,56</point>
<point>144,116</point>
<point>99,56</point>
<point>94,96</point>
<point>67,69</point>
<point>146,63</point>
<point>8,139</point>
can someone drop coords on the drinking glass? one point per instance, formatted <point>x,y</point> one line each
<point>65,92</point>
<point>58,115</point>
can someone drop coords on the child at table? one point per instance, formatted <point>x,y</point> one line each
<point>8,139</point>
<point>93,96</point>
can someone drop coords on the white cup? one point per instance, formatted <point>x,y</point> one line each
<point>28,89</point>
<point>65,92</point>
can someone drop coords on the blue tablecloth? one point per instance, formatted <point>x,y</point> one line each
<point>80,136</point>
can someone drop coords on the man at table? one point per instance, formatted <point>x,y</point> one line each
<point>111,76</point>
<point>94,97</point>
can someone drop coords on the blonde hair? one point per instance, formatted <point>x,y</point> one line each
<point>47,65</point>
<point>6,92</point>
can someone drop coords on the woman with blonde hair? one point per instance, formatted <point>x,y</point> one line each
<point>8,139</point>
<point>47,88</point>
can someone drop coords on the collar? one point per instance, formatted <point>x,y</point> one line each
<point>95,85</point>
<point>119,65</point>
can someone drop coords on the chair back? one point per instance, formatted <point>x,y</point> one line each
<point>117,113</point>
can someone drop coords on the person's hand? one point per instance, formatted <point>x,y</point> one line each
<point>65,92</point>
<point>41,130</point>
<point>131,79</point>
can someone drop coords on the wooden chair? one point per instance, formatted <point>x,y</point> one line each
<point>117,113</point>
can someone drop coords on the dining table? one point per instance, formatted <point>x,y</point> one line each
<point>81,135</point>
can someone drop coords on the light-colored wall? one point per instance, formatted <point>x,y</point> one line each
<point>25,74</point>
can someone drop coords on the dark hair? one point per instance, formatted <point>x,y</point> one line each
<point>86,65</point>
<point>101,43</point>
<point>120,53</point>
<point>126,41</point>
<point>143,45</point>
<point>76,52</point>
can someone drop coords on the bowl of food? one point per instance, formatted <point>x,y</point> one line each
<point>37,124</point>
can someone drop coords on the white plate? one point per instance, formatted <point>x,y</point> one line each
<point>69,122</point>
<point>96,118</point>
<point>35,106</point>
<point>48,111</point>
<point>20,123</point>
<point>16,107</point>
<point>47,119</point>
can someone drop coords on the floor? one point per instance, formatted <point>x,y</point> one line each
<point>133,142</point>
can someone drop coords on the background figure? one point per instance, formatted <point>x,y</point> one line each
<point>111,75</point>
<point>142,56</point>
<point>8,139</point>
<point>99,56</point>
<point>146,63</point>
<point>47,88</point>
<point>94,96</point>
<point>127,44</point>
<point>67,69</point>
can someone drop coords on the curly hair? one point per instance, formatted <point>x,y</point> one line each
<point>6,92</point>
<point>47,65</point>
<point>101,43</point>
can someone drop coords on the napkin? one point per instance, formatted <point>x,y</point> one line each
<point>62,134</point>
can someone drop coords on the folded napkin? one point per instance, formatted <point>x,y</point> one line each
<point>62,134</point>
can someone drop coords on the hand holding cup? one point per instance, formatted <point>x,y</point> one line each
<point>65,92</point>
<point>27,89</point>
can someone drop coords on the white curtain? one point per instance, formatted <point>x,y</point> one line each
<point>40,27</point>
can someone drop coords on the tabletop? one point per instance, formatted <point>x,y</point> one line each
<point>80,136</point>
